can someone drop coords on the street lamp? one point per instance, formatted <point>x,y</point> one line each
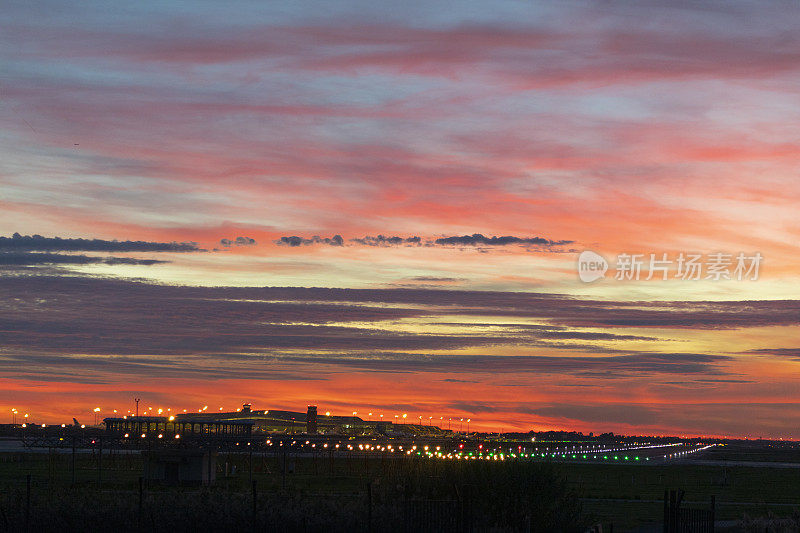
<point>96,415</point>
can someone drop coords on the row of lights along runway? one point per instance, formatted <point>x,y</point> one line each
<point>620,453</point>
<point>588,453</point>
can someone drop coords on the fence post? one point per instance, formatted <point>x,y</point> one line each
<point>209,467</point>
<point>28,503</point>
<point>369,507</point>
<point>50,467</point>
<point>673,511</point>
<point>713,512</point>
<point>100,463</point>
<point>255,505</point>
<point>666,512</point>
<point>73,460</point>
<point>284,467</point>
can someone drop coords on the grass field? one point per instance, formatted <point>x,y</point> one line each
<point>623,494</point>
<point>633,495</point>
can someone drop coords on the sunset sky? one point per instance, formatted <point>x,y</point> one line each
<point>379,207</point>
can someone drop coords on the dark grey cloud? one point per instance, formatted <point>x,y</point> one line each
<point>792,353</point>
<point>697,418</point>
<point>725,381</point>
<point>590,336</point>
<point>704,382</point>
<point>382,240</point>
<point>294,240</point>
<point>560,310</point>
<point>637,363</point>
<point>37,258</point>
<point>90,370</point>
<point>476,239</point>
<point>238,241</point>
<point>95,367</point>
<point>24,243</point>
<point>340,330</point>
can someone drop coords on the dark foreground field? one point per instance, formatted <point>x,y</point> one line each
<point>375,494</point>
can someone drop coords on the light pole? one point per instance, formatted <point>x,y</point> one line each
<point>137,406</point>
<point>96,414</point>
<point>14,416</point>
